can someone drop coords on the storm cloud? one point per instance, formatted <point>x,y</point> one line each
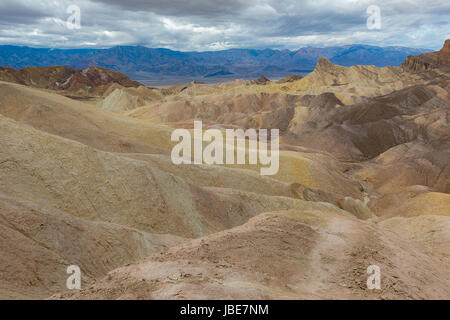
<point>201,25</point>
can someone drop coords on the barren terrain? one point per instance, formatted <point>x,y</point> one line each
<point>86,179</point>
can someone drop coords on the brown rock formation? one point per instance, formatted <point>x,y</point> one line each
<point>90,81</point>
<point>429,61</point>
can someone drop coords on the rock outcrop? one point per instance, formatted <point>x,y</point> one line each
<point>90,81</point>
<point>429,61</point>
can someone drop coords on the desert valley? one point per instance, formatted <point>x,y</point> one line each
<point>86,179</point>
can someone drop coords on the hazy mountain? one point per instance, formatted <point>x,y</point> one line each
<point>148,63</point>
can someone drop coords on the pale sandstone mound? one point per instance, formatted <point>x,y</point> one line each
<point>95,185</point>
<point>120,99</point>
<point>350,84</point>
<point>98,187</point>
<point>283,255</point>
<point>365,130</point>
<point>310,177</point>
<point>327,73</point>
<point>80,122</point>
<point>431,230</point>
<point>409,164</point>
<point>410,203</point>
<point>218,176</point>
<point>38,244</point>
<point>110,132</point>
<point>256,110</point>
<point>314,170</point>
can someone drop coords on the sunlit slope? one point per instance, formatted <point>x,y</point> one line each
<point>77,121</point>
<point>101,186</point>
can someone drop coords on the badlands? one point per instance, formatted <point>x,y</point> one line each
<point>86,179</point>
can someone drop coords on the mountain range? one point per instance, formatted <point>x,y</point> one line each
<point>142,63</point>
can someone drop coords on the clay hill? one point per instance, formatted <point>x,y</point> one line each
<point>364,179</point>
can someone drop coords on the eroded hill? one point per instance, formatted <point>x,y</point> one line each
<point>363,179</point>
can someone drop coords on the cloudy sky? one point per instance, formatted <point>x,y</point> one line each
<point>200,25</point>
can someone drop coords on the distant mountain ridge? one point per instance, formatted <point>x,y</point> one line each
<point>139,62</point>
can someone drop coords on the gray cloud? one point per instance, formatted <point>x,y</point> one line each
<point>220,24</point>
<point>182,8</point>
<point>19,13</point>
